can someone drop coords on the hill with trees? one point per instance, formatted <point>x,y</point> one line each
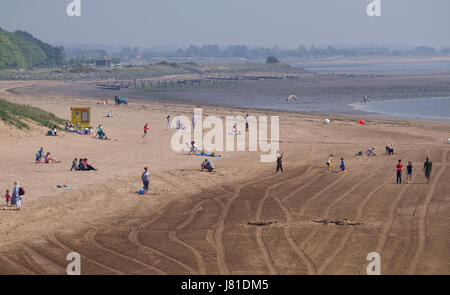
<point>21,50</point>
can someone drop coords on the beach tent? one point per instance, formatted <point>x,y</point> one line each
<point>327,121</point>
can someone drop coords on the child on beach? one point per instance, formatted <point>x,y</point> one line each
<point>399,172</point>
<point>409,170</point>
<point>49,160</point>
<point>343,165</point>
<point>330,162</point>
<point>146,128</point>
<point>39,155</point>
<point>7,197</point>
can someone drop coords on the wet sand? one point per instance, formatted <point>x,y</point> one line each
<point>200,223</point>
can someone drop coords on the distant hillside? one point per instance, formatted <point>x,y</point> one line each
<point>22,50</point>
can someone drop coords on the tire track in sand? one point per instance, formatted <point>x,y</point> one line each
<point>173,236</point>
<point>221,259</point>
<point>90,237</point>
<point>259,238</point>
<point>423,210</point>
<point>54,238</point>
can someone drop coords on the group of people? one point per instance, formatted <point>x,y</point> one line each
<point>52,132</point>
<point>81,165</point>
<point>329,163</point>
<point>15,198</point>
<point>47,157</point>
<point>427,168</point>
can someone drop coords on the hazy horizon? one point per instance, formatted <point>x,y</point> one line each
<point>256,23</point>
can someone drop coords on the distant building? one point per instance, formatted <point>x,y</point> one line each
<point>103,61</point>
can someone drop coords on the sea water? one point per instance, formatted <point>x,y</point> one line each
<point>436,108</point>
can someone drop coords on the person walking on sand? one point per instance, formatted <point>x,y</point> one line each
<point>330,162</point>
<point>146,128</point>
<point>146,179</point>
<point>409,170</point>
<point>168,123</point>
<point>427,167</point>
<point>399,172</point>
<point>279,162</point>
<point>16,195</point>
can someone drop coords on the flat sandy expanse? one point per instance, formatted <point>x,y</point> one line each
<point>202,223</point>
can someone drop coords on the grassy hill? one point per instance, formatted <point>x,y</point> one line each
<point>21,50</point>
<point>17,115</point>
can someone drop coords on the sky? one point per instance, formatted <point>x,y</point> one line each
<point>283,23</point>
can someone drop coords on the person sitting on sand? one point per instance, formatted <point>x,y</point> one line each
<point>208,165</point>
<point>110,115</point>
<point>370,152</point>
<point>81,165</point>
<point>87,166</point>
<point>234,131</point>
<point>74,165</point>
<point>7,197</point>
<point>389,150</point>
<point>52,132</point>
<point>100,133</point>
<point>49,160</point>
<point>39,155</point>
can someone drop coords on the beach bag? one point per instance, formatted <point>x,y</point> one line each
<point>21,192</point>
<point>142,191</point>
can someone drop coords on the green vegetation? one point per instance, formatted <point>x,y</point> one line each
<point>16,115</point>
<point>272,60</point>
<point>21,50</point>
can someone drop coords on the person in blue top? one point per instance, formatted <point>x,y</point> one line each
<point>100,132</point>
<point>39,155</point>
<point>409,170</point>
<point>342,165</point>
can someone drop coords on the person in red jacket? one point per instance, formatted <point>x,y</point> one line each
<point>399,172</point>
<point>146,128</point>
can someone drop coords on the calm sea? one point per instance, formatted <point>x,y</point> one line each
<point>437,108</point>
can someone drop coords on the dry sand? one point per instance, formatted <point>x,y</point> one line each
<point>194,222</point>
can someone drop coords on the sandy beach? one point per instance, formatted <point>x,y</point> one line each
<point>241,219</point>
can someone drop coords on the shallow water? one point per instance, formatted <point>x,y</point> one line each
<point>437,108</point>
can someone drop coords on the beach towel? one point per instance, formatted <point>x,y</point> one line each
<point>207,155</point>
